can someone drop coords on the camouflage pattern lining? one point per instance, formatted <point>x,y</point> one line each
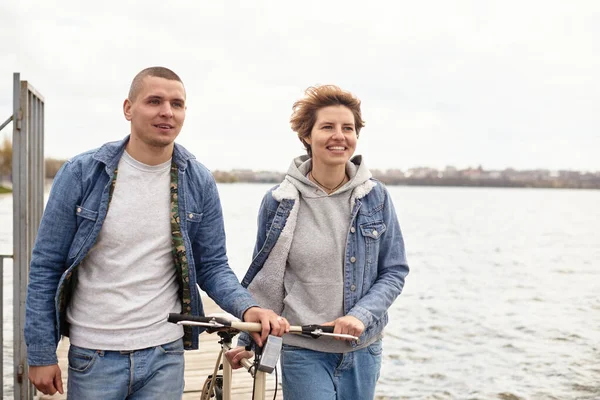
<point>179,258</point>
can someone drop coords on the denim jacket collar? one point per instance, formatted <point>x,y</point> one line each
<point>110,154</point>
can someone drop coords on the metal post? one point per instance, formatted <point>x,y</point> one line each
<point>28,204</point>
<point>36,156</point>
<point>36,164</point>
<point>20,237</point>
<point>28,200</point>
<point>40,154</point>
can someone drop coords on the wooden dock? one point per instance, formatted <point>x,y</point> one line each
<point>198,365</point>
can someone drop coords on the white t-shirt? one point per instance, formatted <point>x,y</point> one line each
<point>126,284</point>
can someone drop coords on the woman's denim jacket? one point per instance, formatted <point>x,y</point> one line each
<point>375,264</point>
<point>72,220</point>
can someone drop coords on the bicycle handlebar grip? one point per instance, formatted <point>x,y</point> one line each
<point>327,329</point>
<point>175,318</point>
<point>308,329</point>
<point>247,326</point>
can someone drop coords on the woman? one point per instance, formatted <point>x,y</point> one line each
<point>329,251</point>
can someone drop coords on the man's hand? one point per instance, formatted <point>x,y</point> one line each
<point>270,321</point>
<point>347,325</point>
<point>236,355</point>
<point>47,379</point>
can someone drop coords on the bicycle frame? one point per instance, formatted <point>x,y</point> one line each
<point>227,329</point>
<point>260,378</point>
<point>223,392</point>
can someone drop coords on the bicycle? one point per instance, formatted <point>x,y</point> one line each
<point>219,385</point>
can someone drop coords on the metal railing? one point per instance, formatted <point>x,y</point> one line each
<point>28,205</point>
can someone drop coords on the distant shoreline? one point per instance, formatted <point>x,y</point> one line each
<point>448,177</point>
<point>495,184</point>
<point>510,185</point>
<point>426,176</point>
<point>516,180</point>
<point>438,182</point>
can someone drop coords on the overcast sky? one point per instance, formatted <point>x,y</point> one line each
<point>497,83</point>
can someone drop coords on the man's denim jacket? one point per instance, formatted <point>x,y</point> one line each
<point>375,264</point>
<point>72,220</point>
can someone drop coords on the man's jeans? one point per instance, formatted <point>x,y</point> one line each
<point>315,375</point>
<point>152,373</point>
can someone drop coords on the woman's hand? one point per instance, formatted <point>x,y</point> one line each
<point>234,356</point>
<point>271,323</point>
<point>348,325</point>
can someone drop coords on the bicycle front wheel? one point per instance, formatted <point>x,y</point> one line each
<point>217,390</point>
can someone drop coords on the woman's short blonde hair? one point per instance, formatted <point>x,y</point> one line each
<point>304,111</point>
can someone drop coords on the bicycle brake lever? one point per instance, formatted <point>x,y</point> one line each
<point>318,333</point>
<point>211,324</point>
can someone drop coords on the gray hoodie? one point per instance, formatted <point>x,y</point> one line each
<point>313,278</point>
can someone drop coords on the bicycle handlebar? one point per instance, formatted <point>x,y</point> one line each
<point>214,322</point>
<point>217,323</point>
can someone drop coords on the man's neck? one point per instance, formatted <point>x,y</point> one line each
<point>149,155</point>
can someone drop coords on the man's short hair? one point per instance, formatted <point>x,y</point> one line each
<point>159,72</point>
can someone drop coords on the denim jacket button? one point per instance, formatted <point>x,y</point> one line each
<point>353,229</point>
<point>352,259</point>
<point>353,288</point>
<point>375,233</point>
<point>78,209</point>
<point>191,216</point>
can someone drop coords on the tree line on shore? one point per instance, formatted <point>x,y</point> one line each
<point>423,176</point>
<point>51,165</point>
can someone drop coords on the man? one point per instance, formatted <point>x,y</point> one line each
<point>128,231</point>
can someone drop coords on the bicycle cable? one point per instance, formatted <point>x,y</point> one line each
<point>276,383</point>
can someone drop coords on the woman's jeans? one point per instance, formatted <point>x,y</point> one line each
<point>152,373</point>
<point>315,375</point>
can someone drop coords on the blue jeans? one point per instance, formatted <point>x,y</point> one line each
<point>152,373</point>
<point>315,375</point>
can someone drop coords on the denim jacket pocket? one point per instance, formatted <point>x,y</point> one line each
<point>372,230</point>
<point>193,223</point>
<point>86,219</point>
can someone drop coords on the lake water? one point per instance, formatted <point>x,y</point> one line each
<point>502,301</point>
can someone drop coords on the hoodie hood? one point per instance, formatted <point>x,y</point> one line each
<point>297,173</point>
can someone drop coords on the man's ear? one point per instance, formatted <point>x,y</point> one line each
<point>127,109</point>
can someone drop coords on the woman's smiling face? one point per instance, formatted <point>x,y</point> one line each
<point>333,137</point>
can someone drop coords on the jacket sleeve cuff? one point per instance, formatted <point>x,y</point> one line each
<point>39,356</point>
<point>245,307</point>
<point>362,314</point>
